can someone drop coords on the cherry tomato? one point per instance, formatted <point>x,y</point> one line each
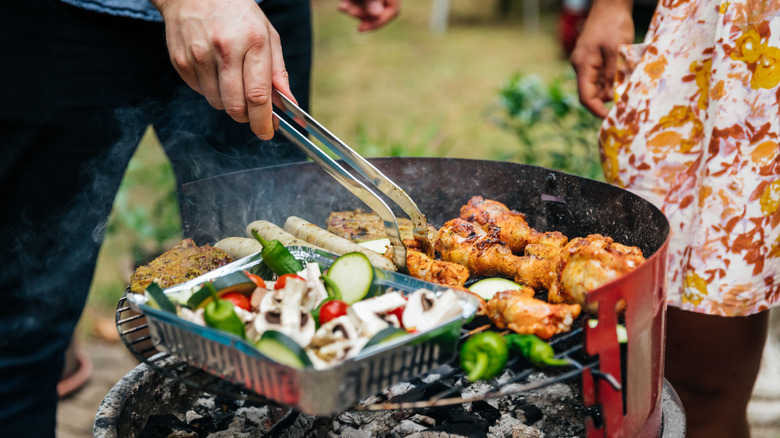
<point>238,299</point>
<point>399,313</point>
<point>332,309</point>
<point>281,282</point>
<point>256,279</point>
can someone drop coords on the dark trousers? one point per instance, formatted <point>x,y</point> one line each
<point>78,91</point>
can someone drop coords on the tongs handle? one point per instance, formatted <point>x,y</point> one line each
<point>371,173</point>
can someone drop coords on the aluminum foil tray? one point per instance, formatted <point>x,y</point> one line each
<point>312,391</point>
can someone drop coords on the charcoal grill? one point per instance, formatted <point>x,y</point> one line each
<point>622,387</point>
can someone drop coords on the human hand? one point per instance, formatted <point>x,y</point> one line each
<point>372,14</point>
<point>229,52</point>
<point>609,25</point>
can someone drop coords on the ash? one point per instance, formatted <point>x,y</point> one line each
<point>552,411</point>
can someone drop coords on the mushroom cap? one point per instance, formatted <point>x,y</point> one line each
<point>426,309</point>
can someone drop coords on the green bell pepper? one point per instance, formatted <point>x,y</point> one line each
<point>484,355</point>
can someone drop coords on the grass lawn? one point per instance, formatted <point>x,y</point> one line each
<point>401,90</point>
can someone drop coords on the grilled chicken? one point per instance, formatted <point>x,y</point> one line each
<point>436,271</point>
<point>485,255</point>
<point>521,312</point>
<point>536,272</point>
<point>513,228</point>
<point>177,265</point>
<point>482,252</point>
<point>587,263</point>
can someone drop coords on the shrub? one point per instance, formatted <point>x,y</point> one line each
<point>554,130</point>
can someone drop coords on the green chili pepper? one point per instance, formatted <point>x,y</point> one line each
<point>484,355</point>
<point>277,257</point>
<point>220,314</point>
<point>539,352</point>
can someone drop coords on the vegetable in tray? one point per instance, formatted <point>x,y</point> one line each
<point>306,318</point>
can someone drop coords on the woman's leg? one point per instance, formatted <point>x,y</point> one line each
<point>712,363</point>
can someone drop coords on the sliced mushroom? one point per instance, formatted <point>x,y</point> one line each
<point>281,310</point>
<point>194,316</point>
<point>316,292</point>
<point>370,315</point>
<point>336,340</point>
<point>337,329</point>
<point>290,320</point>
<point>257,296</point>
<point>426,310</point>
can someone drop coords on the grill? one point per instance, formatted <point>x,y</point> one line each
<point>621,388</point>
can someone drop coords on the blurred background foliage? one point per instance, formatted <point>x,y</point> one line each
<point>486,88</point>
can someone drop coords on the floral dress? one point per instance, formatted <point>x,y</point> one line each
<point>696,130</point>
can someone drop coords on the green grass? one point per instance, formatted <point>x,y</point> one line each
<point>400,91</point>
<point>432,94</point>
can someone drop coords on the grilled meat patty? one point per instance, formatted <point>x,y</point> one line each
<point>361,226</point>
<point>177,265</point>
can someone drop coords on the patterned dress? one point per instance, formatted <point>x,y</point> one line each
<point>696,130</point>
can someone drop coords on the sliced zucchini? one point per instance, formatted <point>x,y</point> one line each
<point>283,349</point>
<point>386,334</point>
<point>353,274</point>
<point>233,282</point>
<point>490,286</point>
<point>159,299</point>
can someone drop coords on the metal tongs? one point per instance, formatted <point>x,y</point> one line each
<point>356,161</point>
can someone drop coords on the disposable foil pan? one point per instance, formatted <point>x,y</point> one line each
<point>312,391</point>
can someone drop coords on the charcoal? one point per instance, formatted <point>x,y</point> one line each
<point>459,417</point>
<point>486,411</point>
<point>531,413</point>
<point>424,391</point>
<point>296,425</point>
<point>204,425</point>
<point>166,425</point>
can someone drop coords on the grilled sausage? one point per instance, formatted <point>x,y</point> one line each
<point>270,231</point>
<point>239,247</point>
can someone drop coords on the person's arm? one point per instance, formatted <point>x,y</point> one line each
<point>228,51</point>
<point>372,14</point>
<point>609,24</point>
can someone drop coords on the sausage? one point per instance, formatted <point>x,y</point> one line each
<point>315,235</point>
<point>270,231</point>
<point>239,247</point>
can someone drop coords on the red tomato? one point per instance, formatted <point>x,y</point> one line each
<point>281,282</point>
<point>256,279</point>
<point>399,313</point>
<point>238,300</point>
<point>332,309</point>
